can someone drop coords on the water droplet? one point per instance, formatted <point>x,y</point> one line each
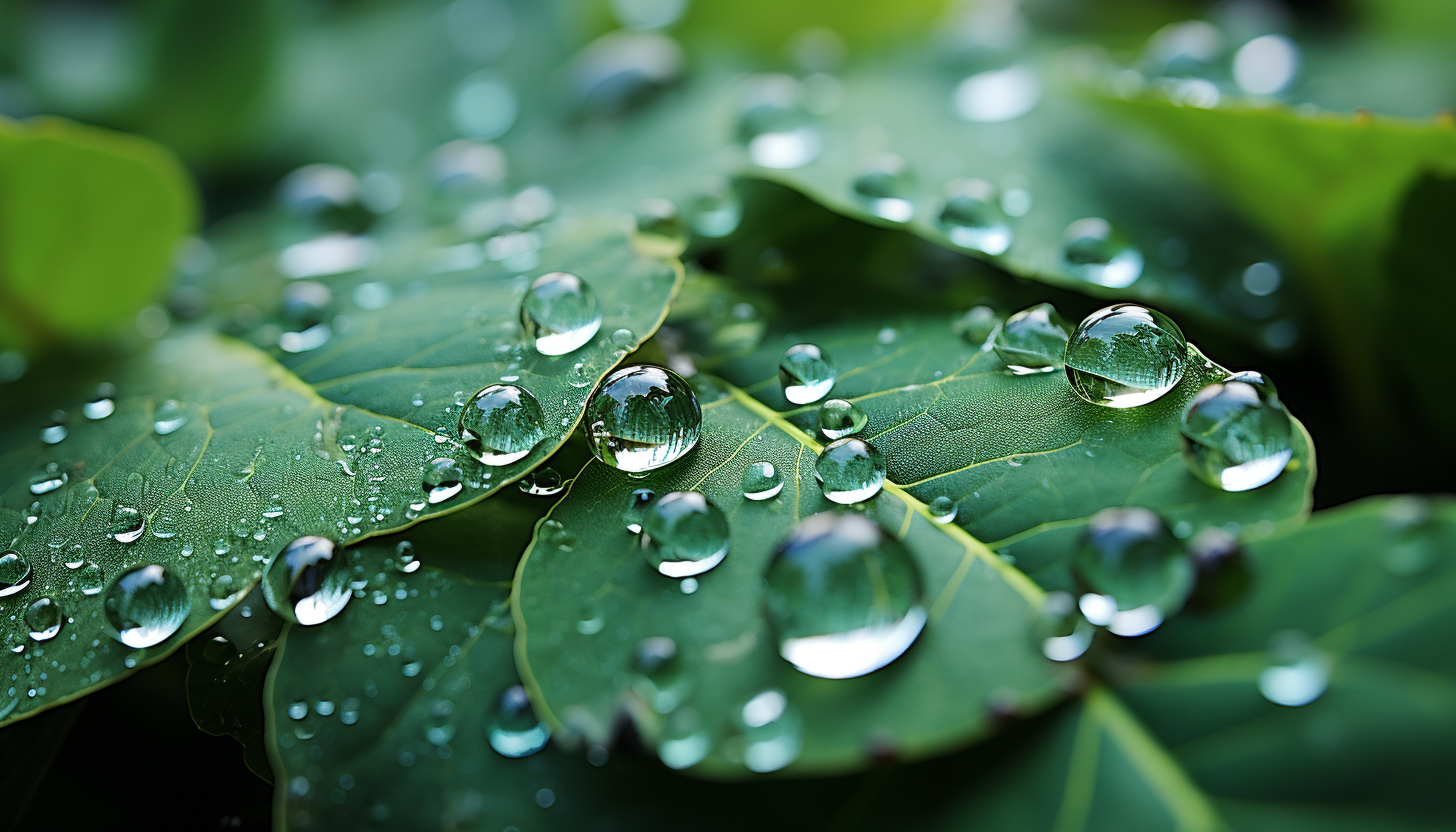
<point>684,742</point>
<point>560,313</point>
<point>55,429</point>
<point>1224,574</point>
<point>542,482</point>
<point>997,95</point>
<point>514,729</point>
<point>972,219</point>
<point>1266,64</point>
<point>102,403</point>
<point>502,424</point>
<point>1236,434</point>
<point>307,582</point>
<point>761,481</point>
<point>884,188</point>
<point>1064,635</point>
<point>170,417</point>
<point>404,557</point>
<point>774,126</point>
<point>1298,672</point>
<point>641,498</point>
<point>91,578</point>
<point>623,339</point>
<point>47,481</point>
<point>1125,356</point>
<point>942,510</point>
<point>590,619</point>
<point>660,682</point>
<point>442,480</point>
<point>14,573</point>
<point>222,591</point>
<point>145,606</point>
<point>1033,340</point>
<point>1130,556</point>
<point>716,211</point>
<point>642,418</point>
<point>44,619</point>
<point>658,229</point>
<point>304,340</point>
<point>976,325</point>
<point>769,732</point>
<point>127,525</point>
<point>483,106</point>
<point>839,418</point>
<point>1098,253</point>
<point>684,534</point>
<point>844,598</point>
<point>850,470</point>
<point>806,373</point>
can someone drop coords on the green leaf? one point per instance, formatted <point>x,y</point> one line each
<point>226,667</point>
<point>331,437</point>
<point>1026,461</point>
<point>977,656</point>
<point>89,220</point>
<point>1373,586</point>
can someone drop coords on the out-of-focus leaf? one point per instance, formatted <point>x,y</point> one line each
<point>89,220</point>
<point>226,668</point>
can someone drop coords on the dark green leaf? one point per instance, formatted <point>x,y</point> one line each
<point>226,667</point>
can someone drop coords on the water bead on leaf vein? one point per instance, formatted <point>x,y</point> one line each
<point>850,470</point>
<point>642,418</point>
<point>1125,356</point>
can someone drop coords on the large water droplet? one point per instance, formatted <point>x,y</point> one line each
<point>659,229</point>
<point>1128,555</point>
<point>442,480</point>
<point>850,470</point>
<point>43,618</point>
<point>684,534</point>
<point>169,418</point>
<point>1236,434</point>
<point>145,606</point>
<point>514,729</point>
<point>972,219</point>
<point>997,95</point>
<point>1098,253</point>
<point>761,481</point>
<point>642,418</point>
<point>806,373</point>
<point>102,403</point>
<point>660,681</point>
<point>542,482</point>
<point>885,187</point>
<point>1125,356</point>
<point>775,127</point>
<point>839,418</point>
<point>14,572</point>
<point>1033,340</point>
<point>560,313</point>
<point>769,732</point>
<point>307,582</point>
<point>1298,673</point>
<point>502,423</point>
<point>127,525</point>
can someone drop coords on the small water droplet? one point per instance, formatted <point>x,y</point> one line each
<point>641,498</point>
<point>308,582</point>
<point>684,534</point>
<point>14,573</point>
<point>850,470</point>
<point>1125,356</point>
<point>1131,557</point>
<point>91,578</point>
<point>442,480</point>
<point>542,482</point>
<point>661,681</point>
<point>145,606</point>
<point>642,418</point>
<point>502,423</point>
<point>1098,253</point>
<point>514,729</point>
<point>169,418</point>
<point>684,741</point>
<point>806,373</point>
<point>942,510</point>
<point>623,339</point>
<point>768,732</point>
<point>47,481</point>
<point>774,125</point>
<point>127,525</point>
<point>43,618</point>
<point>971,218</point>
<point>560,313</point>
<point>884,187</point>
<point>1064,635</point>
<point>1033,340</point>
<point>658,229</point>
<point>55,429</point>
<point>305,340</point>
<point>761,481</point>
<point>222,591</point>
<point>102,403</point>
<point>404,557</point>
<point>1298,672</point>
<point>1237,436</point>
<point>997,95</point>
<point>839,418</point>
<point>716,211</point>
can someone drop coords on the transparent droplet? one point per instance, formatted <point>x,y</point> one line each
<point>1266,64</point>
<point>222,591</point>
<point>542,482</point>
<point>91,578</point>
<point>972,219</point>
<point>844,598</point>
<point>169,418</point>
<point>55,430</point>
<point>839,418</point>
<point>127,525</point>
<point>43,618</point>
<point>483,106</point>
<point>641,498</point>
<point>684,742</point>
<point>47,481</point>
<point>642,418</point>
<point>684,534</point>
<point>514,729</point>
<point>590,619</point>
<point>850,470</point>
<point>806,373</point>
<point>1236,434</point>
<point>560,313</point>
<point>1125,356</point>
<point>145,606</point>
<point>997,95</point>
<point>443,479</point>
<point>660,680</point>
<point>1098,253</point>
<point>1130,556</point>
<point>775,127</point>
<point>623,339</point>
<point>768,732</point>
<point>761,481</point>
<point>716,211</point>
<point>502,424</point>
<point>942,510</point>
<point>1063,633</point>
<point>1298,672</point>
<point>1033,340</point>
<point>102,402</point>
<point>14,572</point>
<point>308,582</point>
<point>659,229</point>
<point>885,188</point>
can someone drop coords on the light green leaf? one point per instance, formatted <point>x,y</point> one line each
<point>329,440</point>
<point>89,220</point>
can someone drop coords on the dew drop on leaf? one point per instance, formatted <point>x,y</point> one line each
<point>145,606</point>
<point>14,572</point>
<point>1125,356</point>
<point>642,418</point>
<point>850,470</point>
<point>1094,251</point>
<point>762,481</point>
<point>1032,341</point>
<point>839,418</point>
<point>308,581</point>
<point>1236,434</point>
<point>43,618</point>
<point>514,729</point>
<point>684,534</point>
<point>806,374</point>
<point>501,424</point>
<point>560,313</point>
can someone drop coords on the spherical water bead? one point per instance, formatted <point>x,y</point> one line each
<point>942,510</point>
<point>660,680</point>
<point>442,480</point>
<point>102,402</point>
<point>659,229</point>
<point>404,557</point>
<point>127,525</point>
<point>762,481</point>
<point>1098,253</point>
<point>774,126</point>
<point>91,578</point>
<point>642,418</point>
<point>684,534</point>
<point>1033,340</point>
<point>14,573</point>
<point>43,618</point>
<point>169,418</point>
<point>145,606</point>
<point>308,582</point>
<point>684,742</point>
<point>972,219</point>
<point>514,729</point>
<point>222,591</point>
<point>850,470</point>
<point>885,188</point>
<point>1298,672</point>
<point>1236,434</point>
<point>844,598</point>
<point>1128,555</point>
<point>768,732</point>
<point>716,211</point>
<point>560,313</point>
<point>806,373</point>
<point>1125,356</point>
<point>502,424</point>
<point>55,430</point>
<point>839,418</point>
